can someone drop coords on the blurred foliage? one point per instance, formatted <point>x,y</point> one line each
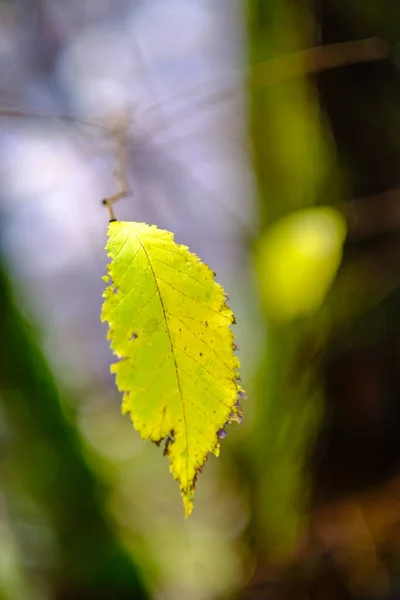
<point>305,359</point>
<point>292,157</point>
<point>48,463</point>
<point>307,245</point>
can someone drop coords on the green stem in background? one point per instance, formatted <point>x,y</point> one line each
<point>293,162</point>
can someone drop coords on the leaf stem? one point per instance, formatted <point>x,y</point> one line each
<point>108,203</point>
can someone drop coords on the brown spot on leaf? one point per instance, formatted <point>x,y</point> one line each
<point>170,439</point>
<point>133,336</point>
<point>199,469</point>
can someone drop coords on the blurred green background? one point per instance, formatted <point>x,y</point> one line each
<point>222,118</point>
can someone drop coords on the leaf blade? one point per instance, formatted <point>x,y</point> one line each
<point>169,325</point>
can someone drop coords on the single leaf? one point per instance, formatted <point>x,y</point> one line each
<point>169,326</point>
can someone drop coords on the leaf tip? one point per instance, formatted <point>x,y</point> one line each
<point>187,505</point>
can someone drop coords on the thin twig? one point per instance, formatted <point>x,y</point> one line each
<point>314,60</point>
<point>286,66</point>
<point>120,133</point>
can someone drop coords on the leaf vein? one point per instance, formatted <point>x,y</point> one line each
<point>194,299</point>
<point>127,293</point>
<point>229,367</point>
<point>206,370</point>
<point>127,268</point>
<point>174,358</point>
<point>207,389</point>
<point>178,271</point>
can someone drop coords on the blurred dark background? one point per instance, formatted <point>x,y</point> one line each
<point>220,118</point>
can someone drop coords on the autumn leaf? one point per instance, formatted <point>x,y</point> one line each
<point>169,325</point>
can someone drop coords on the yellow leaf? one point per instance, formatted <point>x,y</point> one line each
<point>297,260</point>
<point>169,326</point>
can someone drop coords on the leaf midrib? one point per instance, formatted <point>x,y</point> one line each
<point>173,355</point>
